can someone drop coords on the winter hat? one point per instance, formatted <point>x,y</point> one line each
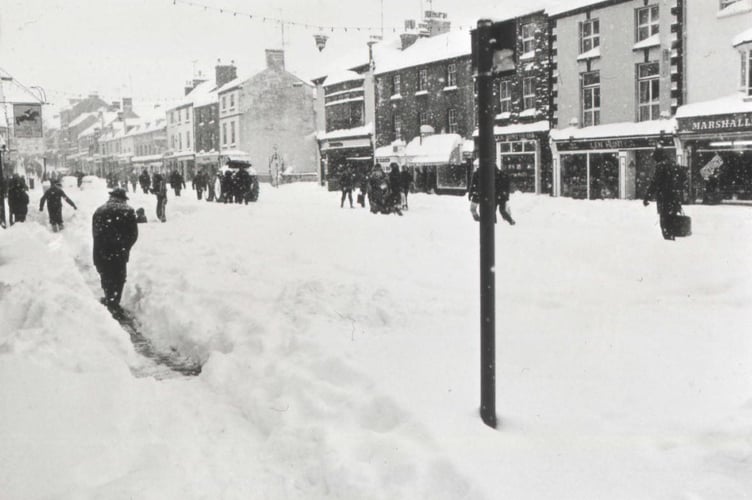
<point>119,193</point>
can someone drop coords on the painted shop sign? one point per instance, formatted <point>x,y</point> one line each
<point>716,123</point>
<point>626,143</point>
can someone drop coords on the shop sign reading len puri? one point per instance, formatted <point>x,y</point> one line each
<point>27,120</point>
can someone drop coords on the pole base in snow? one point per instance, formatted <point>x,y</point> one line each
<point>488,418</point>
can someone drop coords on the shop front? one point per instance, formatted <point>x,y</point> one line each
<point>608,161</point>
<point>340,149</point>
<point>716,140</point>
<point>438,164</point>
<point>182,162</point>
<point>523,151</point>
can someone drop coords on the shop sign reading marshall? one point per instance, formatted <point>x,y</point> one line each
<point>717,123</point>
<point>27,120</point>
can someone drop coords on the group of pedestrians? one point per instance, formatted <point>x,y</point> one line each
<point>387,193</point>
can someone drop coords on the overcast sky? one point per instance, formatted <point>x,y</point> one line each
<point>147,49</point>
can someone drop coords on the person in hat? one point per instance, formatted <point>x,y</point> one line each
<point>53,197</point>
<point>115,231</point>
<point>667,187</point>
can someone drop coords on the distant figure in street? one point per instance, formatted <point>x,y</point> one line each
<point>115,231</point>
<point>346,185</point>
<point>133,177</point>
<point>18,199</point>
<point>145,181</point>
<point>141,216</point>
<point>212,183</point>
<point>502,195</point>
<point>159,188</point>
<point>666,186</point>
<point>395,188</point>
<point>79,179</point>
<point>199,183</point>
<point>407,182</point>
<point>53,197</point>
<point>227,187</point>
<point>176,182</point>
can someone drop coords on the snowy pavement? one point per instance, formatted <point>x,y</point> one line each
<point>341,354</point>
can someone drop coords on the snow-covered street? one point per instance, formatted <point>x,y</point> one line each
<point>341,353</point>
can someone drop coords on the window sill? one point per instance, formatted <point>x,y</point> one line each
<point>590,54</point>
<point>450,87</point>
<point>504,116</point>
<point>528,56</point>
<point>396,97</point>
<point>422,92</point>
<point>651,41</point>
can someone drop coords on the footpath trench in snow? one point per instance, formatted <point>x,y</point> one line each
<point>341,354</point>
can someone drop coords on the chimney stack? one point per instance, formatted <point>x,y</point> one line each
<point>409,36</point>
<point>115,106</point>
<point>224,73</point>
<point>127,104</point>
<point>275,59</point>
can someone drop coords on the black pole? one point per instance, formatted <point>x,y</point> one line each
<point>487,175</point>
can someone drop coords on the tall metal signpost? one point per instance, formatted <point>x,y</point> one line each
<point>484,46</point>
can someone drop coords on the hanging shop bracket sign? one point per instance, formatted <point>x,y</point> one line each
<point>730,122</point>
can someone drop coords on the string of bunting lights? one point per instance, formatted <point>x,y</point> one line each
<point>287,22</point>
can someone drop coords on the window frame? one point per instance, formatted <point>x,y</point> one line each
<point>594,38</point>
<point>422,79</point>
<point>650,109</point>
<point>505,99</point>
<point>397,84</point>
<point>232,132</point>
<point>452,124</point>
<point>451,80</point>
<point>397,126</point>
<point>528,85</point>
<point>528,42</point>
<point>652,22</point>
<point>224,134</point>
<point>592,90</point>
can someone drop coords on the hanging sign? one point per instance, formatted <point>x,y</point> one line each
<point>27,120</point>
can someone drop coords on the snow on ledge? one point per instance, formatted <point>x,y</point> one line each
<point>450,87</point>
<point>651,41</point>
<point>623,129</point>
<point>396,97</point>
<point>345,133</point>
<point>739,7</point>
<point>744,37</point>
<point>527,55</point>
<point>590,54</point>
<point>520,128</point>
<point>422,92</point>
<point>735,103</point>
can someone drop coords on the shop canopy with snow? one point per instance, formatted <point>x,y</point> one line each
<point>393,153</point>
<point>608,161</point>
<point>438,163</point>
<point>716,139</point>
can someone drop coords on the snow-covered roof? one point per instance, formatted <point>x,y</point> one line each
<point>735,8</point>
<point>365,130</point>
<point>520,9</point>
<point>735,103</point>
<point>197,93</point>
<point>435,149</point>
<point>427,50</point>
<point>80,118</point>
<point>145,127</point>
<point>743,37</point>
<point>519,128</point>
<point>623,129</point>
<point>342,77</point>
<point>559,7</point>
<point>395,149</point>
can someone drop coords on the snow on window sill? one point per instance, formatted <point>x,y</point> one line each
<point>528,112</point>
<point>504,116</point>
<point>590,54</point>
<point>450,87</point>
<point>422,92</point>
<point>735,8</point>
<point>396,97</point>
<point>527,55</point>
<point>651,41</point>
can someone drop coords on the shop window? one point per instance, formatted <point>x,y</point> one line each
<point>590,36</point>
<point>591,98</point>
<point>528,93</point>
<point>452,121</point>
<point>528,38</point>
<point>574,176</point>
<point>422,80</point>
<point>604,176</point>
<point>647,22</point>
<point>451,79</point>
<point>505,96</point>
<point>396,85</point>
<point>648,91</point>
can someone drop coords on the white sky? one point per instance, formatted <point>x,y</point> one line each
<point>147,49</point>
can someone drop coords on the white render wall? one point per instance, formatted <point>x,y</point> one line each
<point>713,65</point>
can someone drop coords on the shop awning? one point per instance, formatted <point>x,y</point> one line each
<point>348,133</point>
<point>439,149</point>
<point>615,130</point>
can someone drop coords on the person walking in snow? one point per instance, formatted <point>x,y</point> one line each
<point>502,195</point>
<point>177,182</point>
<point>199,183</point>
<point>18,199</point>
<point>407,182</point>
<point>53,197</point>
<point>159,188</point>
<point>667,186</point>
<point>115,231</point>
<point>133,177</point>
<point>395,188</point>
<point>145,181</point>
<point>346,185</point>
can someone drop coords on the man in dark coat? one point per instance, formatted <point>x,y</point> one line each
<point>159,188</point>
<point>407,181</point>
<point>395,188</point>
<point>177,182</point>
<point>115,231</point>
<point>18,199</point>
<point>53,197</point>
<point>226,185</point>
<point>346,186</point>
<point>199,183</point>
<point>502,195</point>
<point>666,186</point>
<point>145,181</point>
